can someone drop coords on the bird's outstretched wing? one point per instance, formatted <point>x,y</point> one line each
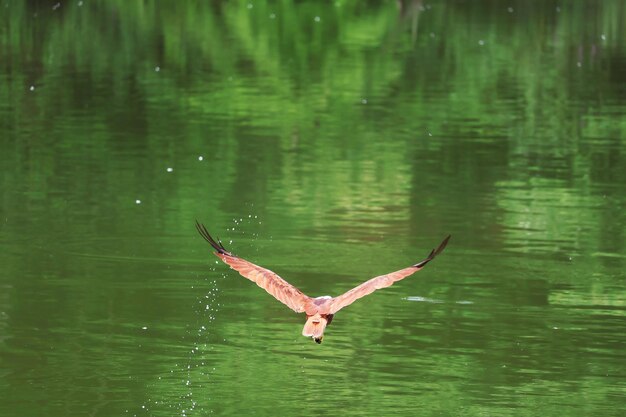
<point>264,278</point>
<point>382,281</point>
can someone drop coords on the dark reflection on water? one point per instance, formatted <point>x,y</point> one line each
<point>331,143</point>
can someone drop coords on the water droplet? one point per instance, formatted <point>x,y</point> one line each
<point>137,201</point>
<point>510,9</point>
<point>364,101</point>
<point>272,16</point>
<point>32,88</point>
<point>144,328</point>
<point>481,42</point>
<point>170,169</point>
<point>317,18</point>
<point>56,6</point>
<point>80,3</point>
<point>579,64</point>
<point>558,10</point>
<point>432,35</point>
<point>250,5</point>
<point>157,68</point>
<point>603,37</point>
<point>200,158</point>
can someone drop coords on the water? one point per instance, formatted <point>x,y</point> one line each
<point>330,143</point>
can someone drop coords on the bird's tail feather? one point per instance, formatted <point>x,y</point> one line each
<point>314,327</point>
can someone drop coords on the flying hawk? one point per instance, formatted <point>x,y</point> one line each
<point>319,311</point>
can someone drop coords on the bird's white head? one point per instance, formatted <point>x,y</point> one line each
<point>318,301</point>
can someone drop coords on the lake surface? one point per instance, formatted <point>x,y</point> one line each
<point>330,143</point>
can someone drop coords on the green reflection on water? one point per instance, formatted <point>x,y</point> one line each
<point>338,142</point>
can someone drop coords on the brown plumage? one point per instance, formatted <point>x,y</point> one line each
<point>320,310</point>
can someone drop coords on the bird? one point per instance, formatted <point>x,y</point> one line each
<point>320,310</point>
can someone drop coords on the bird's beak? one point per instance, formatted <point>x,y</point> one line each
<point>318,340</point>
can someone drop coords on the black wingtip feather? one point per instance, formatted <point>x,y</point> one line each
<point>217,245</point>
<point>442,245</point>
<point>434,253</point>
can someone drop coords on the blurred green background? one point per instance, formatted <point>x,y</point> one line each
<point>331,142</point>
